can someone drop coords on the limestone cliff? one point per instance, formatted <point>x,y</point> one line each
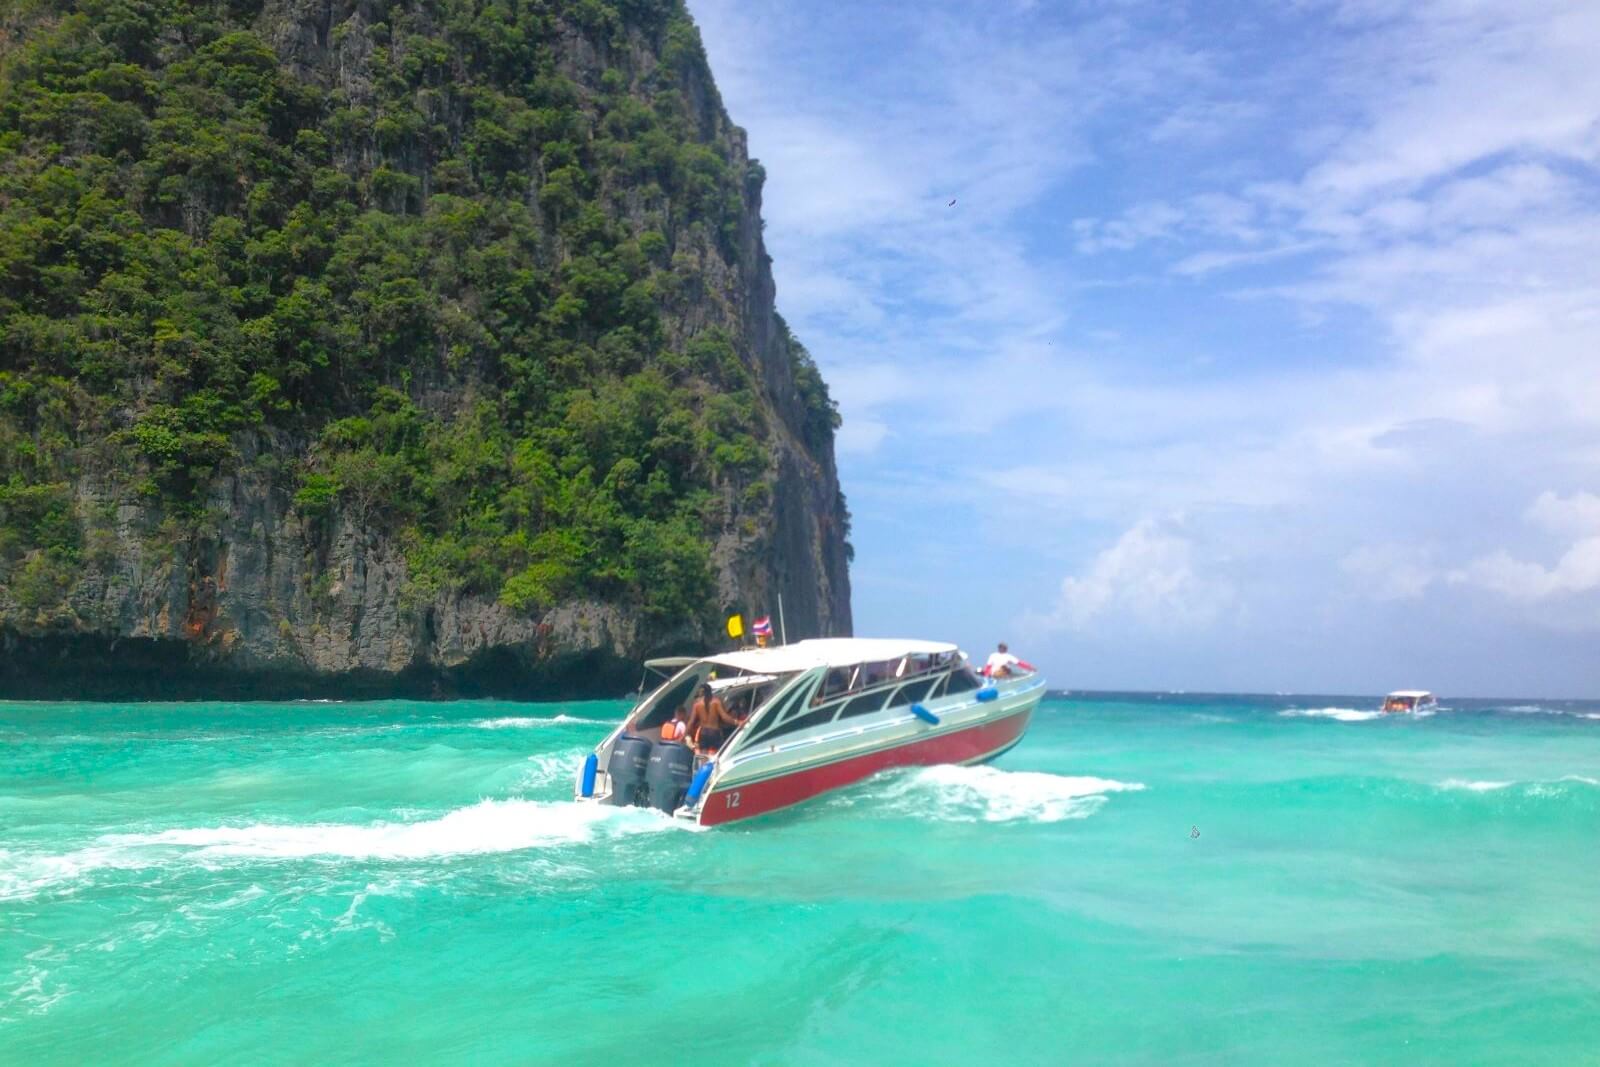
<point>351,347</point>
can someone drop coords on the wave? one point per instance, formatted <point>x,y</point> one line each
<point>1474,786</point>
<point>1545,788</point>
<point>489,826</point>
<point>1341,714</point>
<point>524,722</point>
<point>548,768</point>
<point>988,794</point>
<point>1540,709</point>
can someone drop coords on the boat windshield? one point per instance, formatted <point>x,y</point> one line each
<point>741,693</point>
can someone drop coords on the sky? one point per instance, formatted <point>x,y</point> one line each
<point>1210,347</point>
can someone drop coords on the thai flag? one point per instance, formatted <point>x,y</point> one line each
<point>762,627</point>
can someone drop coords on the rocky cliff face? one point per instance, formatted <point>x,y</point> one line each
<point>254,563</point>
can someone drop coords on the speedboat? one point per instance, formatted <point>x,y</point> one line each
<point>1404,700</point>
<point>816,715</point>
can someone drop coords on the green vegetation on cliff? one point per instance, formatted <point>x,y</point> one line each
<point>436,273</point>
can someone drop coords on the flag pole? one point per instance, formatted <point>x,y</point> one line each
<point>783,634</point>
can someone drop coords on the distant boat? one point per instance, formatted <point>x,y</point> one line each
<point>1404,700</point>
<point>812,717</point>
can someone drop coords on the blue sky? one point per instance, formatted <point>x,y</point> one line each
<point>1259,350</point>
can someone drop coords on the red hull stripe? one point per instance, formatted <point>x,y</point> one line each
<point>971,745</point>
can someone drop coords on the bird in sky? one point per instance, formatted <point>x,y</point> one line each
<point>952,203</point>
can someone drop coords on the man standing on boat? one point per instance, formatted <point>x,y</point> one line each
<point>709,722</point>
<point>1002,663</point>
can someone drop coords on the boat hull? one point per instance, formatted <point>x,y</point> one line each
<point>975,743</point>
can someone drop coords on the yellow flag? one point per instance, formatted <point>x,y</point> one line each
<point>735,626</point>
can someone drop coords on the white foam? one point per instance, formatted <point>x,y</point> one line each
<point>988,794</point>
<point>525,722</point>
<point>548,768</point>
<point>1555,788</point>
<point>35,994</point>
<point>1341,714</point>
<point>488,826</point>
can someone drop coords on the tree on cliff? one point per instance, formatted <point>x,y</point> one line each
<point>443,269</point>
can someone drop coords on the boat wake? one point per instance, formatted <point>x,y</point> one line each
<point>547,769</point>
<point>1341,714</point>
<point>988,794</point>
<point>489,826</point>
<point>530,722</point>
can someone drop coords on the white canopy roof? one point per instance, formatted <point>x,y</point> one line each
<point>1414,693</point>
<point>826,652</point>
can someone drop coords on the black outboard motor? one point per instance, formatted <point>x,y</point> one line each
<point>671,767</point>
<point>630,756</point>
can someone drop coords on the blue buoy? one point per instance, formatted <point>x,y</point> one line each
<point>924,714</point>
<point>987,693</point>
<point>590,763</point>
<point>699,782</point>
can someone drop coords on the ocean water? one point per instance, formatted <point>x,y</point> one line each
<point>1145,879</point>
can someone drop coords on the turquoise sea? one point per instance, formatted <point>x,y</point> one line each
<point>1145,879</point>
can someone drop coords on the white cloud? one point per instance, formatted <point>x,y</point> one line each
<point>1577,571</point>
<point>1577,514</point>
<point>1445,84</point>
<point>1390,571</point>
<point>1150,575</point>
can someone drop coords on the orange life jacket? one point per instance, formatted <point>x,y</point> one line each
<point>673,730</point>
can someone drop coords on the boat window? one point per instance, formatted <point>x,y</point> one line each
<point>865,704</point>
<point>667,702</point>
<point>835,683</point>
<point>962,681</point>
<point>815,717</point>
<point>912,692</point>
<point>774,717</point>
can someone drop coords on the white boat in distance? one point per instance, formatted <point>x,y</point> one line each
<point>821,714</point>
<point>1403,700</point>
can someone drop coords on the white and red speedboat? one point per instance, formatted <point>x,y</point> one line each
<point>817,715</point>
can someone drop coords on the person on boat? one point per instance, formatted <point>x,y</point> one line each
<point>1002,664</point>
<point>675,728</point>
<point>709,722</point>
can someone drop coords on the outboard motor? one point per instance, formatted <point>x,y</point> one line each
<point>671,767</point>
<point>630,756</point>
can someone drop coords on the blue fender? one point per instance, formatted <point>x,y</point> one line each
<point>590,763</point>
<point>698,782</point>
<point>987,693</point>
<point>924,714</point>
